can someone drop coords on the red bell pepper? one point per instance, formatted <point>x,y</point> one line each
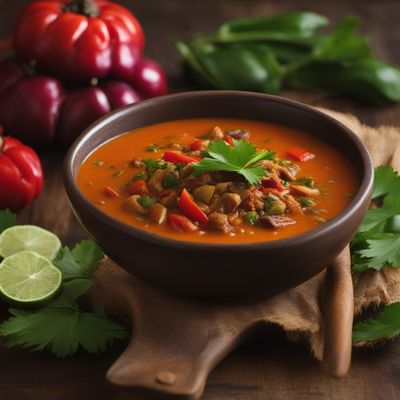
<point>197,144</point>
<point>77,40</point>
<point>138,187</point>
<point>21,177</point>
<point>298,154</point>
<point>228,139</point>
<point>272,182</point>
<point>181,223</point>
<point>177,158</point>
<point>110,192</point>
<point>191,209</point>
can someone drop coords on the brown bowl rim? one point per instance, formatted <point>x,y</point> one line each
<point>359,199</point>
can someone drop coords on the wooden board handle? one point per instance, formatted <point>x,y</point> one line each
<point>338,315</point>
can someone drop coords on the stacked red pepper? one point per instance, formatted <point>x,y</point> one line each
<point>76,61</point>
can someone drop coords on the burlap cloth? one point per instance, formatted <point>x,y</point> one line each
<point>297,311</point>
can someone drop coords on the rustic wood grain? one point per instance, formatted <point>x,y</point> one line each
<point>271,368</point>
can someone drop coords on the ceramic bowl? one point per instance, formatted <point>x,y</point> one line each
<point>221,270</point>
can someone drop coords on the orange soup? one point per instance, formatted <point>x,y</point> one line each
<point>219,180</point>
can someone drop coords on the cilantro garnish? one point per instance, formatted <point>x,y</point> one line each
<point>61,326</point>
<point>385,326</point>
<point>377,242</point>
<point>242,158</point>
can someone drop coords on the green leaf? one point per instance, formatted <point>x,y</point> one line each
<point>342,45</point>
<point>7,219</point>
<point>238,67</point>
<point>383,251</point>
<point>60,330</point>
<point>386,182</point>
<point>295,24</point>
<point>376,218</point>
<point>367,79</point>
<point>79,262</point>
<point>385,326</point>
<point>241,158</point>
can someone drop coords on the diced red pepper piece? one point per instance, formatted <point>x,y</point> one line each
<point>268,190</point>
<point>197,144</point>
<point>110,192</point>
<point>181,223</point>
<point>138,187</point>
<point>272,182</point>
<point>166,192</point>
<point>228,139</point>
<point>299,154</point>
<point>175,158</point>
<point>191,209</point>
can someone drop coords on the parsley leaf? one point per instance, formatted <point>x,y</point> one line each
<point>62,330</point>
<point>241,158</point>
<point>386,182</point>
<point>386,325</point>
<point>382,251</point>
<point>61,326</point>
<point>79,262</point>
<point>7,219</point>
<point>377,242</point>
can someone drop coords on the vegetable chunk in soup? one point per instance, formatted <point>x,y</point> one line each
<point>219,180</point>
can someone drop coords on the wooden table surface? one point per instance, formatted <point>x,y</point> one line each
<point>272,368</point>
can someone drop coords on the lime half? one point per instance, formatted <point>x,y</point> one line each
<point>29,237</point>
<point>27,278</point>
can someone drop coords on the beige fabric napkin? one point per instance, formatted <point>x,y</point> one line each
<point>297,311</point>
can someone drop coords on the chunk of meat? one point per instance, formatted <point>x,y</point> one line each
<point>304,190</point>
<point>217,133</point>
<point>229,202</point>
<point>219,222</point>
<point>276,221</point>
<point>293,205</point>
<point>155,182</point>
<point>238,134</point>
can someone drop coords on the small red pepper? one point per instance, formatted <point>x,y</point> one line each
<point>181,223</point>
<point>176,158</point>
<point>191,209</point>
<point>299,154</point>
<point>197,144</point>
<point>138,187</point>
<point>21,177</point>
<point>165,192</point>
<point>268,190</point>
<point>228,139</point>
<point>272,182</point>
<point>110,192</point>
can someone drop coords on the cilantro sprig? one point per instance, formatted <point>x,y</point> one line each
<point>241,158</point>
<point>61,326</point>
<point>377,242</point>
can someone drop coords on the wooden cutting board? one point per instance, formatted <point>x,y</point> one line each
<point>176,342</point>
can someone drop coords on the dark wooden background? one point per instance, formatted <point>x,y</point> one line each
<point>271,368</point>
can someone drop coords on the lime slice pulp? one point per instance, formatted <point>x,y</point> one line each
<point>27,278</point>
<point>29,237</point>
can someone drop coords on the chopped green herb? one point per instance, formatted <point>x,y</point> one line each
<point>118,173</point>
<point>251,217</point>
<point>99,163</point>
<point>152,165</point>
<point>306,202</point>
<point>140,175</point>
<point>146,201</point>
<point>153,148</point>
<point>171,181</point>
<point>305,181</point>
<point>242,158</point>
